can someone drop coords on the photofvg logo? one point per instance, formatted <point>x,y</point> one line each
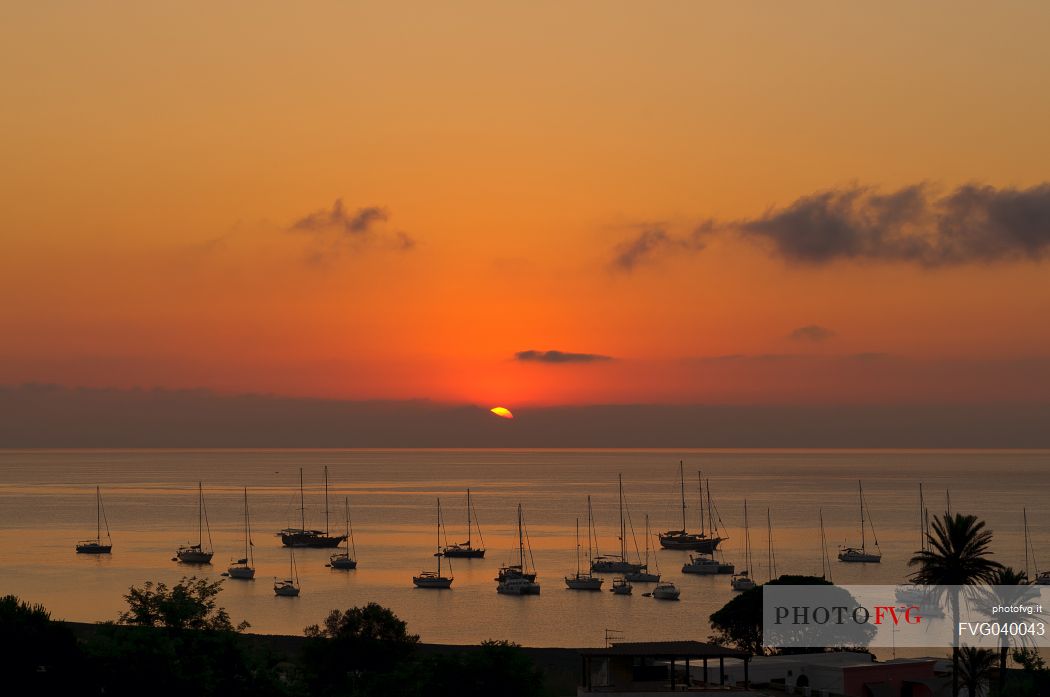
<point>902,616</point>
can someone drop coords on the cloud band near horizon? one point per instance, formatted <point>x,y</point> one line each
<point>558,357</point>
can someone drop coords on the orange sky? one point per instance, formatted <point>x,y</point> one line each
<point>158,156</point>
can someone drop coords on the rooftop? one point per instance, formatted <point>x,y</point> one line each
<point>668,649</point>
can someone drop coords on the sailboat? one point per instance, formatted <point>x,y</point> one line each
<point>301,537</point>
<point>196,554</point>
<point>288,587</point>
<point>743,581</point>
<point>344,560</point>
<point>705,562</point>
<point>644,576</point>
<point>244,568</point>
<point>1040,578</point>
<point>466,550</point>
<point>517,579</point>
<point>96,545</point>
<point>581,581</point>
<point>682,539</point>
<point>861,554</point>
<point>825,558</point>
<point>434,579</point>
<point>617,563</point>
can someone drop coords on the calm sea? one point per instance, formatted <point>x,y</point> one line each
<point>47,503</point>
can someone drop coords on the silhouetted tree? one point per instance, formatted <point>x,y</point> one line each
<point>1008,597</point>
<point>190,604</point>
<point>739,622</point>
<point>37,656</point>
<point>976,666</point>
<point>351,650</point>
<point>956,555</point>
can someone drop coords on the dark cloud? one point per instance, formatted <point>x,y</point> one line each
<point>972,224</point>
<point>654,240</point>
<point>335,230</point>
<point>559,357</point>
<point>914,224</point>
<point>811,332</point>
<point>337,217</point>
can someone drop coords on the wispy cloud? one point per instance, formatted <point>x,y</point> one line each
<point>357,223</point>
<point>811,332</point>
<point>654,240</point>
<point>559,357</point>
<point>337,229</point>
<point>914,224</point>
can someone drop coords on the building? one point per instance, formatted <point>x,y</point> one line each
<point>652,668</point>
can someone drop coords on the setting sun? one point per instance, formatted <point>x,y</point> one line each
<point>502,412</point>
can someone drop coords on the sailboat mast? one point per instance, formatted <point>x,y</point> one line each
<point>438,555</point>
<point>700,482</point>
<point>825,560</point>
<point>860,493</point>
<point>577,547</point>
<point>681,479</point>
<point>1024,512</point>
<point>468,523</point>
<point>326,500</point>
<point>922,521</point>
<point>710,510</point>
<point>245,522</point>
<point>623,529</point>
<point>747,540</point>
<point>98,514</point>
<point>346,507</point>
<point>769,550</point>
<point>647,542</point>
<point>521,543</point>
<point>590,534</point>
<point>302,502</point>
<point>200,514</point>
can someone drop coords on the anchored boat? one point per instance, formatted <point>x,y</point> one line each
<point>518,579</point>
<point>197,554</point>
<point>861,554</point>
<point>244,568</point>
<point>466,550</point>
<point>581,581</point>
<point>434,579</point>
<point>617,563</point>
<point>301,536</point>
<point>683,539</point>
<point>344,560</point>
<point>97,545</point>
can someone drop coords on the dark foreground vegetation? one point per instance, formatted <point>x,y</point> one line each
<point>178,641</point>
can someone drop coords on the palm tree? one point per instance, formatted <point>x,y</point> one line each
<point>1006,576</point>
<point>956,554</point>
<point>978,666</point>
